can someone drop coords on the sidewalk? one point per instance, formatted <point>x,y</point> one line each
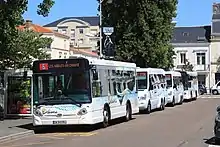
<point>12,129</point>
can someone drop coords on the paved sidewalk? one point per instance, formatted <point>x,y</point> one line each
<point>209,96</point>
<point>11,129</point>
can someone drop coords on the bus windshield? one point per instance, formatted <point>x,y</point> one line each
<point>142,80</point>
<point>62,88</point>
<point>169,80</point>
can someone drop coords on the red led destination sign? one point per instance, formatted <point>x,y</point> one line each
<point>46,66</point>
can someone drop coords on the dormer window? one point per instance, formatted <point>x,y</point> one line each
<point>185,34</point>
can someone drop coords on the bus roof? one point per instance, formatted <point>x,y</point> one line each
<point>111,63</point>
<point>174,73</point>
<point>95,61</point>
<point>151,70</point>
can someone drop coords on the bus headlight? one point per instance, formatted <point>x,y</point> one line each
<point>82,111</point>
<point>170,93</point>
<point>37,112</point>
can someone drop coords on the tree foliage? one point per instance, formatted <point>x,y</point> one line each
<point>28,46</point>
<point>143,30</point>
<point>11,16</point>
<point>187,66</point>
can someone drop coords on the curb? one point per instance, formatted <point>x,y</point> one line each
<point>16,136</point>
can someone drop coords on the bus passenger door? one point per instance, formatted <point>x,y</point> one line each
<point>153,95</point>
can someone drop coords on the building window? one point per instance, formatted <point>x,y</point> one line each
<point>72,33</point>
<point>182,58</point>
<point>60,54</point>
<point>65,55</point>
<point>81,31</point>
<point>200,58</point>
<point>81,41</point>
<point>64,44</point>
<point>93,31</point>
<point>63,31</point>
<point>185,34</point>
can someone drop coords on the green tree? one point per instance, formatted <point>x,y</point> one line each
<point>143,30</point>
<point>28,46</point>
<point>11,16</point>
<point>187,66</point>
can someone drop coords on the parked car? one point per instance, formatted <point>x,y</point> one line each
<point>202,89</point>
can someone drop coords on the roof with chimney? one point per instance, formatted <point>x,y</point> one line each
<point>92,20</point>
<point>194,34</point>
<point>39,29</point>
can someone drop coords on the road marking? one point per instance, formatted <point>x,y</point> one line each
<point>213,146</point>
<point>76,134</point>
<point>29,144</point>
<point>57,135</point>
<point>46,136</point>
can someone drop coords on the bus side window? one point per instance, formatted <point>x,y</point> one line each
<point>151,87</point>
<point>96,84</point>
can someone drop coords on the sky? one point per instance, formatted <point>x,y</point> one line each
<point>189,12</point>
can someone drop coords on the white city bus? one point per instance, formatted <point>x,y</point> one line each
<point>175,87</point>
<point>83,91</point>
<point>193,85</point>
<point>150,94</point>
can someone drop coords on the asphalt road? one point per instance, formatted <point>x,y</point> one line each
<point>188,125</point>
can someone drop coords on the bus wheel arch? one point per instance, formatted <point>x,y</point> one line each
<point>106,115</point>
<point>128,115</point>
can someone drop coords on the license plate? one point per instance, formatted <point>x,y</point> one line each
<point>59,122</point>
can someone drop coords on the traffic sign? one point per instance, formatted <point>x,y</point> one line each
<point>108,30</point>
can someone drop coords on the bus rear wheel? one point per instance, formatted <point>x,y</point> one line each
<point>173,102</point>
<point>106,117</point>
<point>162,105</point>
<point>128,115</point>
<point>148,110</point>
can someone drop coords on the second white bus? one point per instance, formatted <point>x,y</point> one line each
<point>150,93</point>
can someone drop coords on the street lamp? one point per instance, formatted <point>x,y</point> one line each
<point>100,21</point>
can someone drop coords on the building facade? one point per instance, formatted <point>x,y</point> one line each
<point>215,44</point>
<point>192,44</point>
<point>83,31</point>
<point>60,46</point>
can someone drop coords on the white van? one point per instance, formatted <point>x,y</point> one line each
<point>174,87</point>
<point>193,85</point>
<point>150,94</point>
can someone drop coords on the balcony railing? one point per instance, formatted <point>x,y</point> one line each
<point>204,67</point>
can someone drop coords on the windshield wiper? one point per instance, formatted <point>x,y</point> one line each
<point>74,101</point>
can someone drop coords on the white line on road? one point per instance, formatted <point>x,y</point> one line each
<point>213,146</point>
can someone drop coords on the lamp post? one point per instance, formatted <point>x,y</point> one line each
<point>100,22</point>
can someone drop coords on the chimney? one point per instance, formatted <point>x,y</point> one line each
<point>28,24</point>
<point>216,8</point>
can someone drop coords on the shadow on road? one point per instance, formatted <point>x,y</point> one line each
<point>69,128</point>
<point>212,141</point>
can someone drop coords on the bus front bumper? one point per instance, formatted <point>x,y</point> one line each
<point>42,121</point>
